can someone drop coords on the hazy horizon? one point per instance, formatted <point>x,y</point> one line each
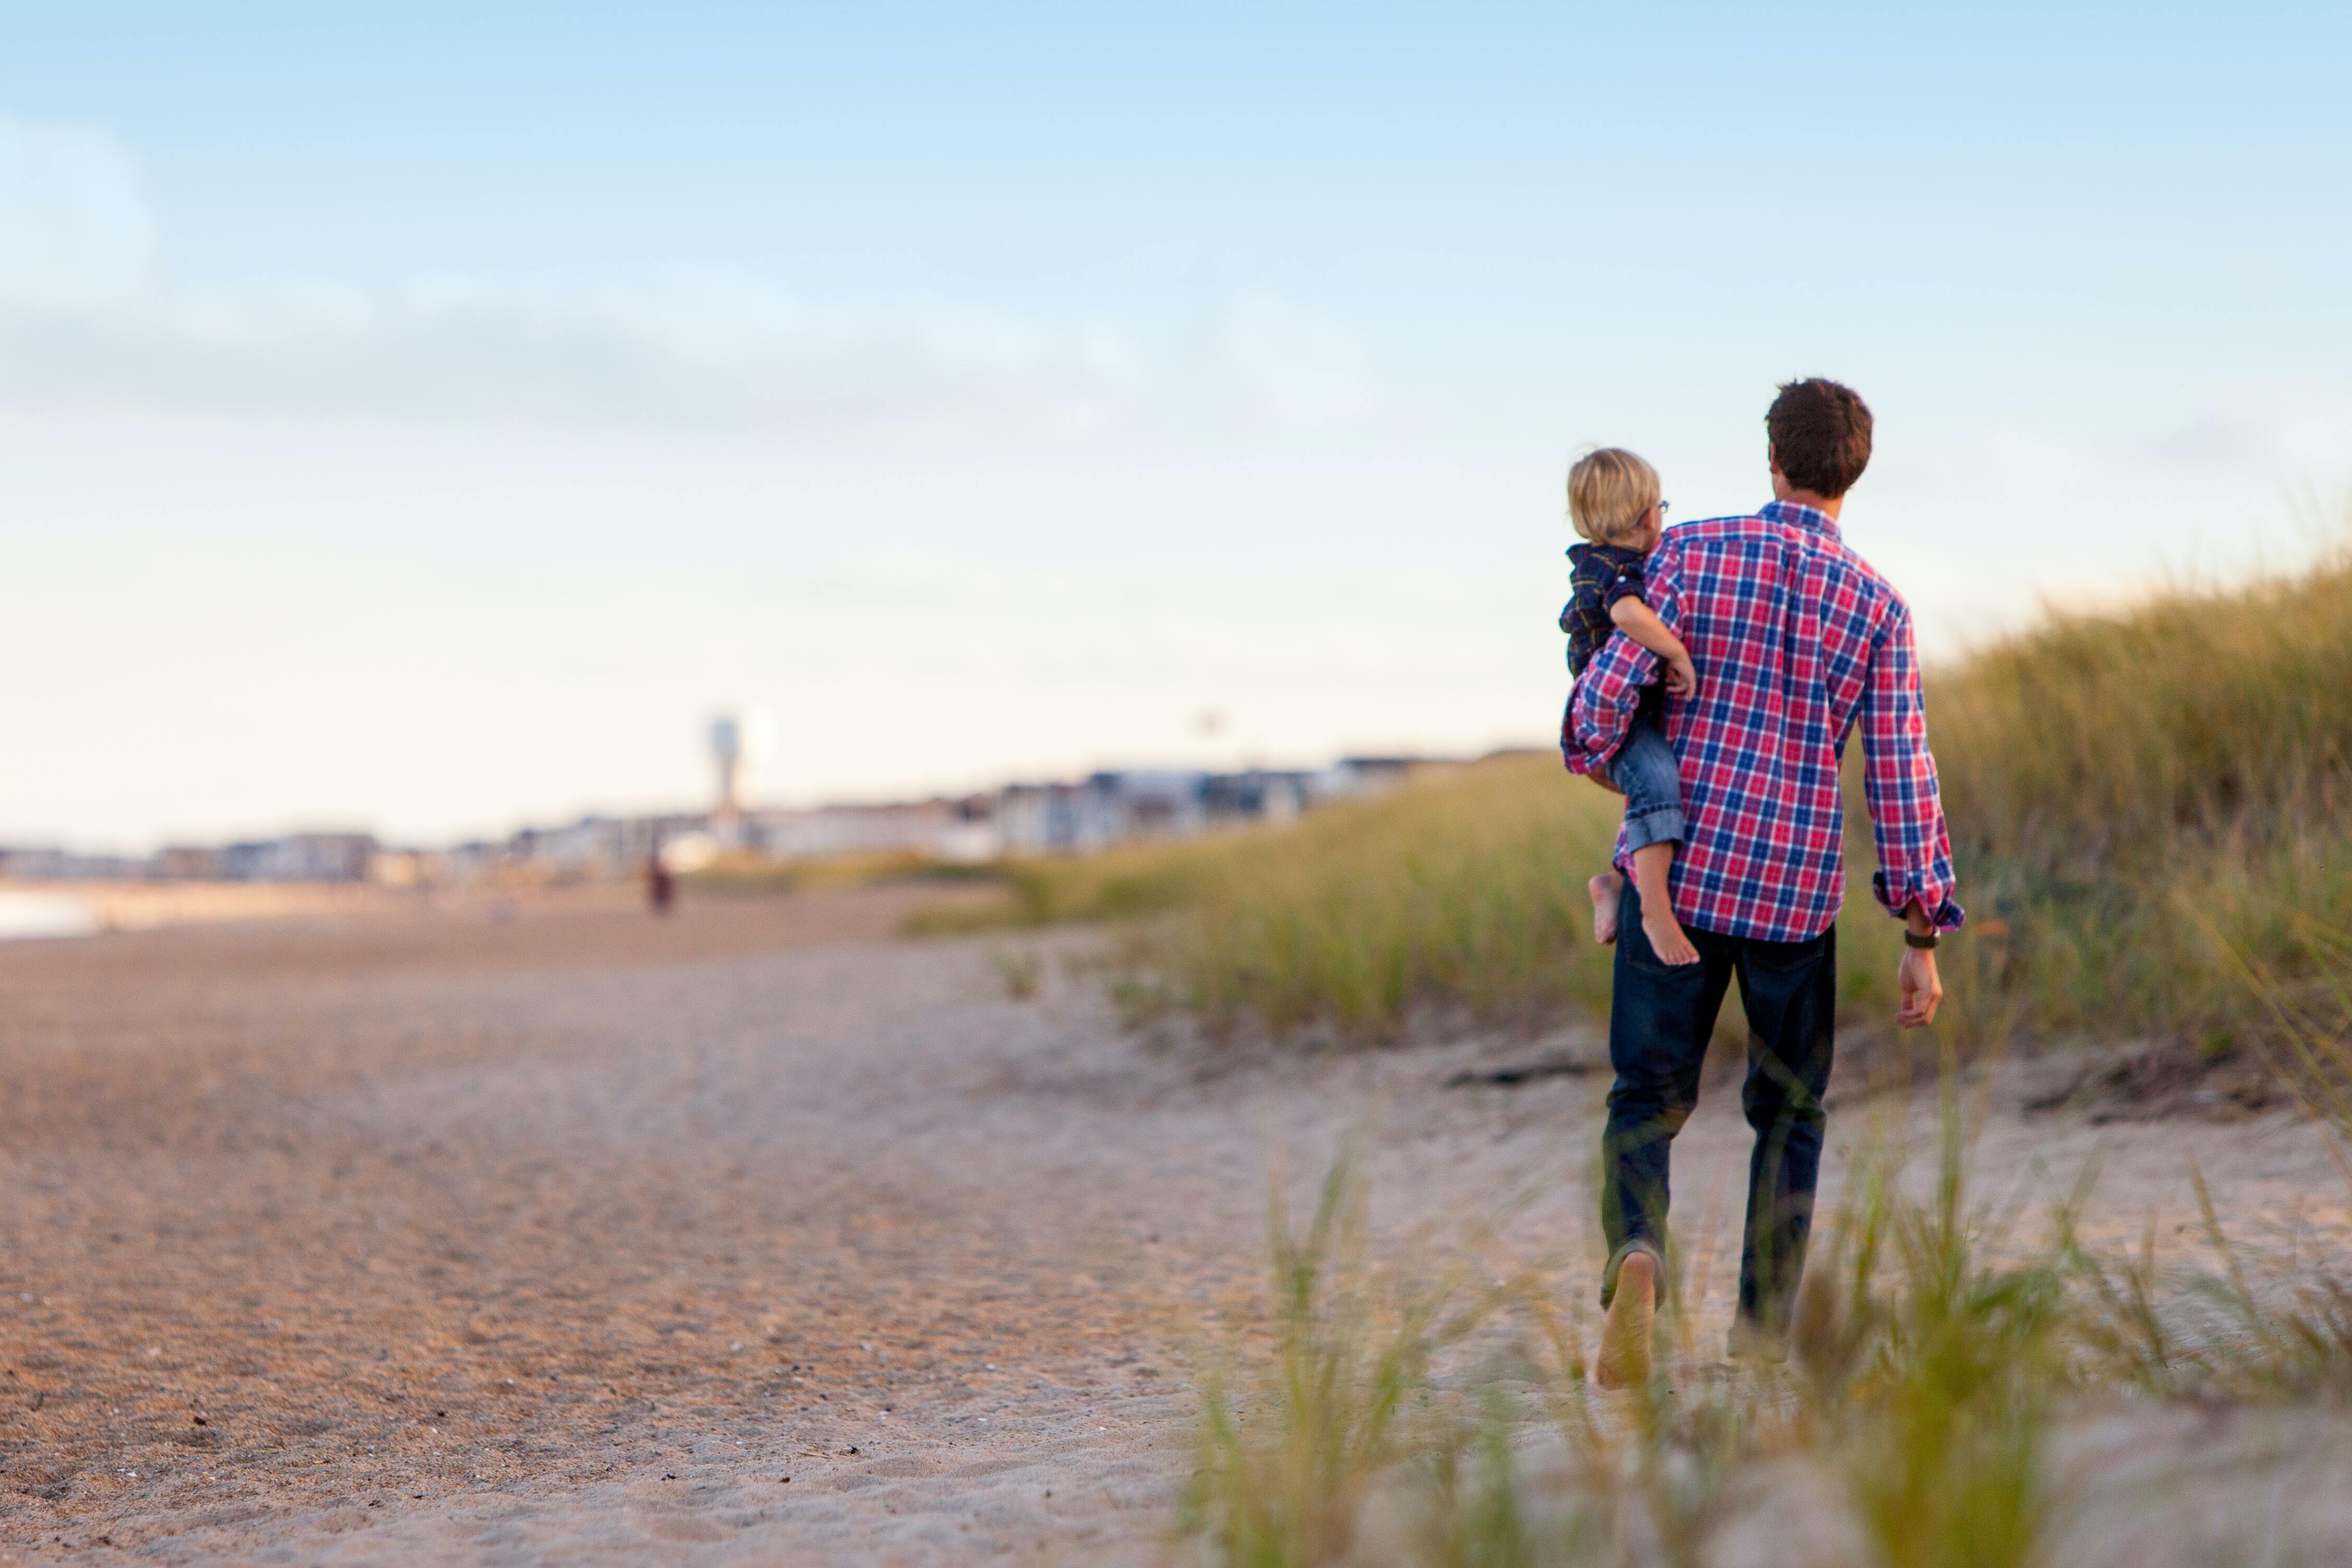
<point>426,422</point>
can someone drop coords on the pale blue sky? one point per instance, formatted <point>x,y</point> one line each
<point>425,420</point>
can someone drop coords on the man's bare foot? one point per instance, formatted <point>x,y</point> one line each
<point>1624,1361</point>
<point>1605,889</point>
<point>1667,939</point>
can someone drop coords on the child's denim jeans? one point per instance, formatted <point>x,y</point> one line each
<point>1645,768</point>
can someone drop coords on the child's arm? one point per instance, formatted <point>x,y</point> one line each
<point>1641,622</point>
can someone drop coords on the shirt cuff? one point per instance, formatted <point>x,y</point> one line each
<point>1580,757</point>
<point>1944,912</point>
<point>1580,760</point>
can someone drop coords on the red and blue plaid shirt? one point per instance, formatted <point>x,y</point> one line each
<point>1797,641</point>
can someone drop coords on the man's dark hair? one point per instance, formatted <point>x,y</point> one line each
<point>1819,432</point>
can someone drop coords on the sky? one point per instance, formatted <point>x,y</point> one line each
<point>425,418</point>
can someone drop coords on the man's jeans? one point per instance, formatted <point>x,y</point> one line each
<point>1660,1019</point>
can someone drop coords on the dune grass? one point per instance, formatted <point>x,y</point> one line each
<point>2150,807</point>
<point>2149,815</point>
<point>2148,811</point>
<point>1123,883</point>
<point>1446,1422</point>
<point>1464,895</point>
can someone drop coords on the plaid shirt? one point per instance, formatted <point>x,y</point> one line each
<point>1796,640</point>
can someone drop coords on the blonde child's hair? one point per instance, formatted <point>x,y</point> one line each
<point>1608,491</point>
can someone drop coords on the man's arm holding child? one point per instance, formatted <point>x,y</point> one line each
<point>1601,707</point>
<point>1641,622</point>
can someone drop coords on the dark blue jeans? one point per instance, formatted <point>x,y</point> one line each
<point>1660,1019</point>
<point>1647,774</point>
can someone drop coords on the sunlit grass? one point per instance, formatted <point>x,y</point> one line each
<point>2146,808</point>
<point>2148,798</point>
<point>1285,1466</point>
<point>1936,1359</point>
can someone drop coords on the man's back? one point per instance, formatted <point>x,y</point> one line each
<point>1796,640</point>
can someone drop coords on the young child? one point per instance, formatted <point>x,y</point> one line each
<point>1613,499</point>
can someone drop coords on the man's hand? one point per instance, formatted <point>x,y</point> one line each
<point>1916,981</point>
<point>1922,990</point>
<point>1682,676</point>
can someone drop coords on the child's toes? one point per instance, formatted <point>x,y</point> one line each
<point>1605,889</point>
<point>1668,942</point>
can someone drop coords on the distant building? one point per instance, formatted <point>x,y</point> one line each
<point>1149,803</point>
<point>824,832</point>
<point>1037,819</point>
<point>46,864</point>
<point>1031,819</point>
<point>1141,804</point>
<point>1353,775</point>
<point>188,862</point>
<point>299,857</point>
<point>1258,796</point>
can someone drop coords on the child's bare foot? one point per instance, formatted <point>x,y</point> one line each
<point>1625,1359</point>
<point>1667,939</point>
<point>1605,889</point>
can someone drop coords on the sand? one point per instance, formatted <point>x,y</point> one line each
<point>552,1233</point>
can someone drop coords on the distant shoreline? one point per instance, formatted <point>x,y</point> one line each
<point>38,910</point>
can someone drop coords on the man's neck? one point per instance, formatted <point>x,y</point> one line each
<point>1827,505</point>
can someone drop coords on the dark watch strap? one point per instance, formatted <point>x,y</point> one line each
<point>1913,939</point>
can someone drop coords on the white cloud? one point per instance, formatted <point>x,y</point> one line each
<point>703,351</point>
<point>88,318</point>
<point>1300,368</point>
<point>75,226</point>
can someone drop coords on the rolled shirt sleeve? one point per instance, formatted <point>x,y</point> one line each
<point>1906,812</point>
<point>1601,707</point>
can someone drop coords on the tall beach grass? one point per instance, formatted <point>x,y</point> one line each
<point>2151,804</point>
<point>1938,1362</point>
<point>2148,811</point>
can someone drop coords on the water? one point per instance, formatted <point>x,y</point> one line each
<point>45,914</point>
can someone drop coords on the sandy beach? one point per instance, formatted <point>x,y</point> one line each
<point>552,1233</point>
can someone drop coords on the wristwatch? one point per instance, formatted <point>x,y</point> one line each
<point>1925,944</point>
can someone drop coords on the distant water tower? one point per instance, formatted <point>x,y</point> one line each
<point>737,742</point>
<point>727,751</point>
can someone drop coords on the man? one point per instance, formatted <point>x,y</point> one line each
<point>1797,642</point>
